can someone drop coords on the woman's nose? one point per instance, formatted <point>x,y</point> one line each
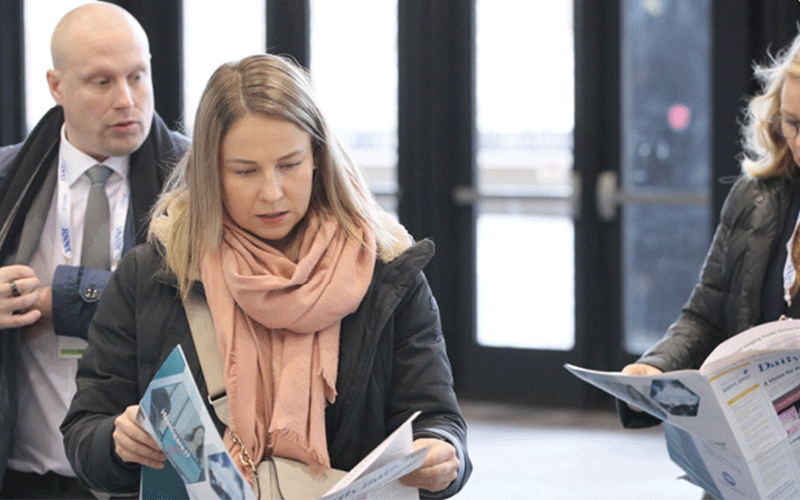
<point>271,188</point>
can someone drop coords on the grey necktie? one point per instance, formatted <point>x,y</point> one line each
<point>96,231</point>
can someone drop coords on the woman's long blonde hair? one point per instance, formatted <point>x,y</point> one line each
<point>765,151</point>
<point>276,87</point>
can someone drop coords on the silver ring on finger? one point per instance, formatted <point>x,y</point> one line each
<point>14,289</point>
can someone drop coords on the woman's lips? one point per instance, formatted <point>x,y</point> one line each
<point>273,219</point>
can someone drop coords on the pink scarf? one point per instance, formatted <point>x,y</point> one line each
<point>277,325</point>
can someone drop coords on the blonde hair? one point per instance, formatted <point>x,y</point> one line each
<point>765,151</point>
<point>276,87</point>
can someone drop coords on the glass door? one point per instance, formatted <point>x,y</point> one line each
<point>525,195</point>
<point>525,118</point>
<point>360,101</point>
<point>241,24</point>
<point>593,185</point>
<point>665,178</point>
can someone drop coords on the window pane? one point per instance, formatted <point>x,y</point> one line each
<point>354,66</point>
<point>213,35</point>
<point>665,152</point>
<point>525,114</point>
<point>41,17</point>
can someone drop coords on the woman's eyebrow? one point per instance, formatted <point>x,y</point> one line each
<point>293,153</point>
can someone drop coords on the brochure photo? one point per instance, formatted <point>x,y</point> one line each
<point>173,412</point>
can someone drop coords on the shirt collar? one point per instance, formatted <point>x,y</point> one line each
<point>77,162</point>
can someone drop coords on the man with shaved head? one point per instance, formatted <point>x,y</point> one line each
<point>59,241</point>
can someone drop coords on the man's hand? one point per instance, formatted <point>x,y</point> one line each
<point>19,291</point>
<point>439,469</point>
<point>44,301</point>
<point>133,444</point>
<point>640,369</point>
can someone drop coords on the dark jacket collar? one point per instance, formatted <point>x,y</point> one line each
<point>25,175</point>
<point>149,167</point>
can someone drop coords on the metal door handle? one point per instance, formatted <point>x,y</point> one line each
<point>608,197</point>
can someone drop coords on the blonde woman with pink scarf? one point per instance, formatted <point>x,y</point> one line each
<point>329,334</point>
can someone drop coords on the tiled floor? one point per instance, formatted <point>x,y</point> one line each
<point>529,453</point>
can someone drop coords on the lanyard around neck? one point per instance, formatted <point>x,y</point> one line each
<point>64,219</point>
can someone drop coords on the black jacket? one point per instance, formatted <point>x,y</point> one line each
<point>23,168</point>
<point>392,362</point>
<point>727,299</point>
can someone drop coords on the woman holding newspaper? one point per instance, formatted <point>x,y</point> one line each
<point>750,275</point>
<point>327,329</point>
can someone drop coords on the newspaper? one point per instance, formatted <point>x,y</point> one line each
<point>200,467</point>
<point>733,425</point>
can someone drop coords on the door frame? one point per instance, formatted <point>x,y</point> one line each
<point>437,127</point>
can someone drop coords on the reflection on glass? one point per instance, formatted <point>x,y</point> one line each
<point>525,112</point>
<point>214,35</point>
<point>665,152</point>
<point>354,67</point>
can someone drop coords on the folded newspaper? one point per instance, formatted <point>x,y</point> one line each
<point>733,425</point>
<point>200,467</point>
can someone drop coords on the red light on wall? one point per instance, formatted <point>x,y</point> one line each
<point>678,116</point>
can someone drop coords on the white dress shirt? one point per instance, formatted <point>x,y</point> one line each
<point>46,380</point>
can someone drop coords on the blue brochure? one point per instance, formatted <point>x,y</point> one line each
<point>199,466</point>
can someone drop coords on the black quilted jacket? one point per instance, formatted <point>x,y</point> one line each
<point>727,299</point>
<point>392,362</point>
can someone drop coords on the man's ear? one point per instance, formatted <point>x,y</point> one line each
<point>54,83</point>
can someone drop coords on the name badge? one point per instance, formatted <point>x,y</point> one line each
<point>71,347</point>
